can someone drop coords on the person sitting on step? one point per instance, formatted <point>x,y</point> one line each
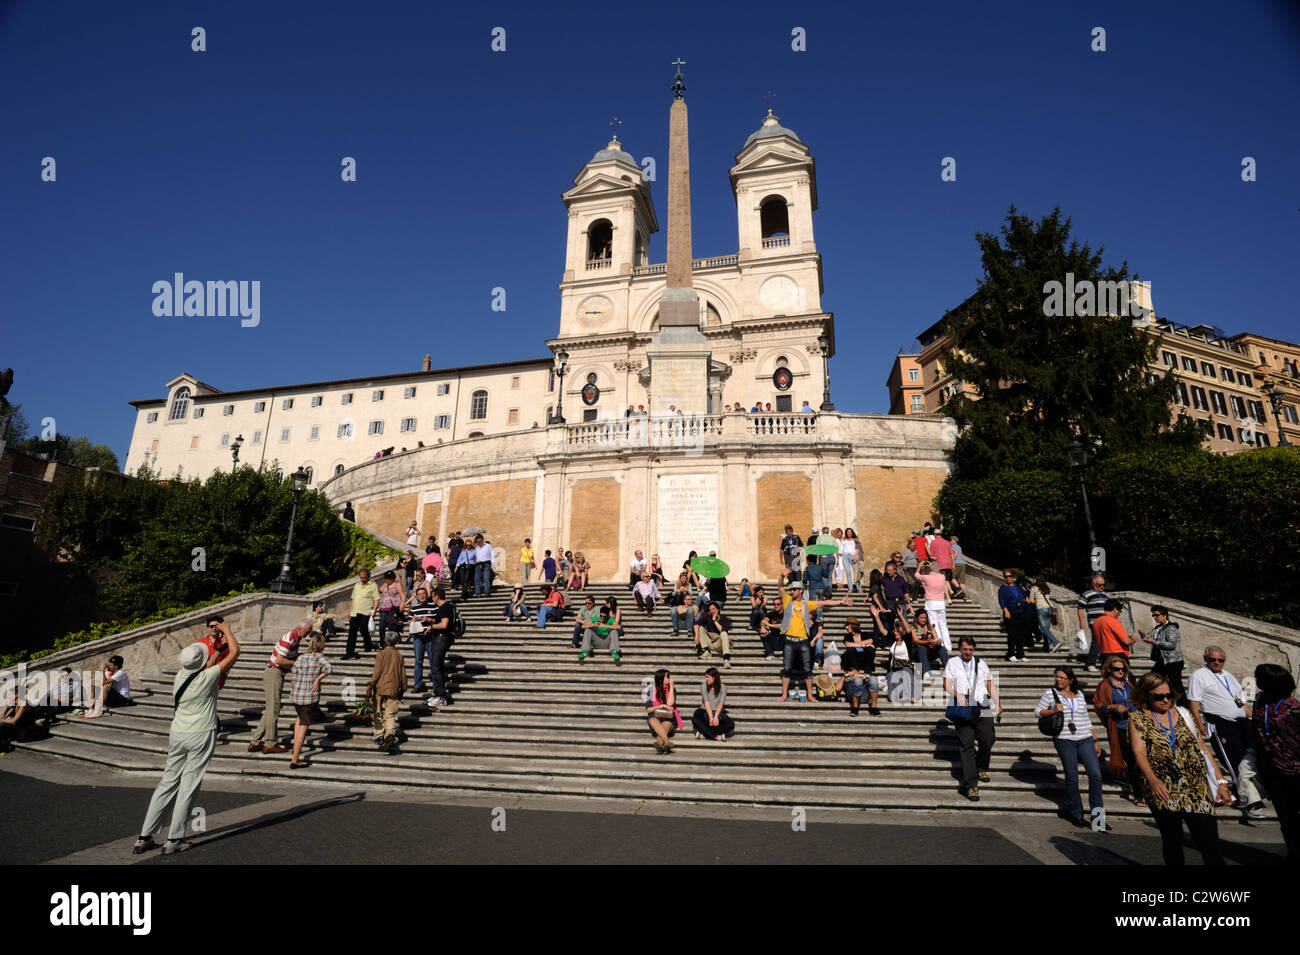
<point>587,616</point>
<point>517,609</point>
<point>646,594</point>
<point>552,607</point>
<point>604,632</point>
<point>683,612</point>
<point>858,658</point>
<point>710,721</point>
<point>660,701</point>
<point>712,634</point>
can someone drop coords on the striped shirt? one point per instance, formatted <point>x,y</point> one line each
<point>305,670</point>
<point>1093,603</point>
<point>422,613</point>
<point>287,647</point>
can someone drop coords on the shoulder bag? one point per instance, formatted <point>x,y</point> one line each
<point>1052,724</point>
<point>959,715</point>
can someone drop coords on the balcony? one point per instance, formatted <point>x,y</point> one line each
<point>594,264</point>
<point>716,262</point>
<point>777,242</point>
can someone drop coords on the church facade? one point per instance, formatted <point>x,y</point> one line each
<point>546,449</point>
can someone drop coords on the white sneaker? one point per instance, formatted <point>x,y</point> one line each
<point>1092,670</point>
<point>434,702</point>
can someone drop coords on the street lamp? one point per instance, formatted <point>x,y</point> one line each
<point>284,584</point>
<point>824,343</point>
<point>234,452</point>
<point>1275,398</point>
<point>561,365</point>
<point>1078,460</point>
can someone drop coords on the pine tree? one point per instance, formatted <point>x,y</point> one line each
<point>1038,380</point>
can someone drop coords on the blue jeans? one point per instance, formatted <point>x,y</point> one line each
<point>545,612</point>
<point>423,646</point>
<point>482,579</point>
<point>1072,752</point>
<point>1045,625</point>
<point>684,619</point>
<point>922,656</point>
<point>522,607</point>
<point>796,658</point>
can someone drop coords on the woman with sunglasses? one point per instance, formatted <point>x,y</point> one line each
<point>1111,700</point>
<point>1076,743</point>
<point>1172,760</point>
<point>1166,649</point>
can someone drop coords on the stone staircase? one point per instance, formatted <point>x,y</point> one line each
<point>528,720</point>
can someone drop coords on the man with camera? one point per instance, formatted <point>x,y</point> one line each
<point>112,688</point>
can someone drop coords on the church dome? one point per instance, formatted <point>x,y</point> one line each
<point>770,129</point>
<point>614,151</point>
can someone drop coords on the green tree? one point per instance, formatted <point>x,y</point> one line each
<point>1039,380</point>
<point>16,427</point>
<point>79,452</point>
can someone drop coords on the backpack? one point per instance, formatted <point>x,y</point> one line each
<point>824,687</point>
<point>455,623</point>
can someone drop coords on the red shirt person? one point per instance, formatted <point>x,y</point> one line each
<point>1109,632</point>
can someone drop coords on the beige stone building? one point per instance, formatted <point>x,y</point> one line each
<point>1219,381</point>
<point>736,329</point>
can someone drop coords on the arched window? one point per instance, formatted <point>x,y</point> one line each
<point>279,474</point>
<point>641,258</point>
<point>338,469</point>
<point>782,361</point>
<point>311,473</point>
<point>180,405</point>
<point>476,434</point>
<point>600,240</point>
<point>773,217</point>
<point>478,405</point>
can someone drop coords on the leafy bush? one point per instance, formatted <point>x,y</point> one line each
<point>1217,530</point>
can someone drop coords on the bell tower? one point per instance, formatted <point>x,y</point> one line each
<point>611,219</point>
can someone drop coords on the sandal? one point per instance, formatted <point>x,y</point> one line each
<point>293,765</point>
<point>659,747</point>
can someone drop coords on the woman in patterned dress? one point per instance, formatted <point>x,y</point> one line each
<point>1172,761</point>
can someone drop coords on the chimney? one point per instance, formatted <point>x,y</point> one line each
<point>428,362</point>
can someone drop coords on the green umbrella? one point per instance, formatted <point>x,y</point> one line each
<point>821,550</point>
<point>710,567</point>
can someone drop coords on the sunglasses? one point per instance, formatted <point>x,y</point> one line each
<point>1161,696</point>
<point>1216,659</point>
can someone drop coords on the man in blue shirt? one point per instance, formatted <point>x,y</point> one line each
<point>483,556</point>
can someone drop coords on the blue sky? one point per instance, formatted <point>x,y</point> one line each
<point>225,165</point>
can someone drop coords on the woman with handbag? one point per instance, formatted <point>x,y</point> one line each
<point>661,712</point>
<point>1175,767</point>
<point>1166,649</point>
<point>1039,590</point>
<point>924,642</point>
<point>1111,700</point>
<point>391,598</point>
<point>1076,742</point>
<point>901,668</point>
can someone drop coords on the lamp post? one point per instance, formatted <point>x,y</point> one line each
<point>1275,398</point>
<point>1078,460</point>
<point>284,584</point>
<point>561,365</point>
<point>824,343</point>
<point>234,452</point>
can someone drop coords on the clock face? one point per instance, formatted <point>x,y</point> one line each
<point>595,310</point>
<point>782,379</point>
<point>780,294</point>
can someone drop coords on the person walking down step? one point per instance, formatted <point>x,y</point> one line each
<point>1075,743</point>
<point>309,670</point>
<point>1112,701</point>
<point>968,682</point>
<point>191,740</point>
<point>1277,727</point>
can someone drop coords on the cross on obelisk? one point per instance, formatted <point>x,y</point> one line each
<point>678,86</point>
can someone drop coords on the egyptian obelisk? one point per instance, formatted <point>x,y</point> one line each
<point>679,353</point>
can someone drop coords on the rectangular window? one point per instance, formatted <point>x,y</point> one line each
<point>408,424</point>
<point>1227,374</point>
<point>408,392</point>
<point>918,404</point>
<point>550,381</point>
<point>914,374</point>
<point>589,414</point>
<point>377,394</point>
<point>345,430</point>
<point>194,442</point>
<point>1225,432</point>
<point>512,416</point>
<point>1207,369</point>
<point>259,407</point>
<point>1199,401</point>
<point>151,417</point>
<point>444,388</point>
<point>18,523</point>
<point>376,427</point>
<point>1206,426</point>
<point>346,398</point>
<point>225,440</point>
<point>514,382</point>
<point>286,404</point>
<point>228,409</point>
<point>198,412</point>
<point>442,422</point>
<point>1170,359</point>
<point>1245,380</point>
<point>1238,406</point>
<point>1189,364</point>
<point>315,433</point>
<point>1261,440</point>
<point>1180,395</point>
<point>1218,402</point>
<point>1256,410</point>
<point>317,400</point>
<point>257,437</point>
<point>284,434</point>
<point>154,447</point>
<point>783,403</point>
<point>1289,414</point>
